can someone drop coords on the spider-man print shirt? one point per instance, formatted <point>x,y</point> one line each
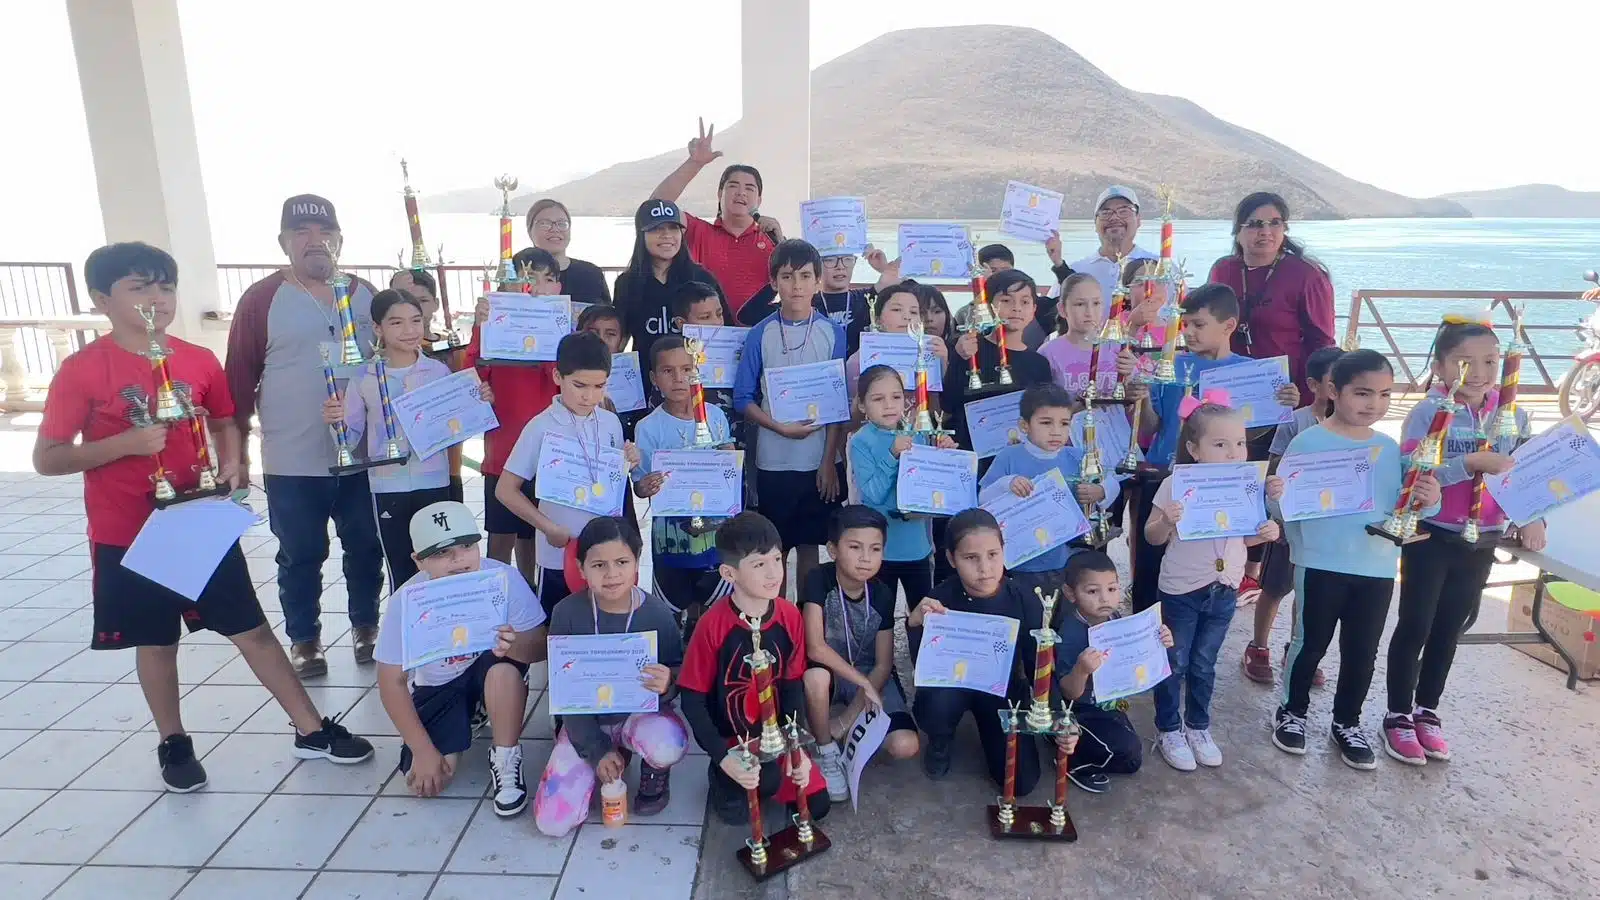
<point>715,663</point>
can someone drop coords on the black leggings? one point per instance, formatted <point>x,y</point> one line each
<point>1146,556</point>
<point>939,710</point>
<point>1354,604</point>
<point>916,576</point>
<point>394,528</point>
<point>1441,585</point>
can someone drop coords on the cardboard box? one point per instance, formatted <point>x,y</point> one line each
<point>1567,627</point>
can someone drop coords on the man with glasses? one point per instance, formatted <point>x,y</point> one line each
<point>1116,220</point>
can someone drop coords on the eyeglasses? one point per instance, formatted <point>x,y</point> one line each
<point>1259,224</point>
<point>549,225</point>
<point>1117,212</point>
<point>839,262</point>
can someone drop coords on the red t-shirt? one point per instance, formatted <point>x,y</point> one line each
<point>739,261</point>
<point>520,393</point>
<point>93,395</point>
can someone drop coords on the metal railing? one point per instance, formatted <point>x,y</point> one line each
<point>38,290</point>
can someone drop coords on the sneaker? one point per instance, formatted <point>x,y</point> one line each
<point>1175,750</point>
<point>935,759</point>
<point>655,790</point>
<point>728,800</point>
<point>1430,734</point>
<point>365,639</point>
<point>1400,740</point>
<point>308,659</point>
<point>1206,751</point>
<point>334,743</point>
<point>480,719</point>
<point>1093,782</point>
<point>1258,664</point>
<point>181,772</point>
<point>832,763</point>
<point>1354,748</point>
<point>505,769</point>
<point>1318,679</point>
<point>1289,732</point>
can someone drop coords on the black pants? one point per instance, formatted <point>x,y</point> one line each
<point>1146,556</point>
<point>552,589</point>
<point>916,576</point>
<point>394,528</point>
<point>1106,742</point>
<point>1354,604</point>
<point>1441,585</point>
<point>939,710</point>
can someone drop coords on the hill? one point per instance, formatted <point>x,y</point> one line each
<point>933,121</point>
<point>1530,201</point>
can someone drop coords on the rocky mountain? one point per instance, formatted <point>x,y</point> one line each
<point>1534,201</point>
<point>932,122</point>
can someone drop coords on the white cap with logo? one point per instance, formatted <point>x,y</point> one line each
<point>439,526</point>
<point>1115,191</point>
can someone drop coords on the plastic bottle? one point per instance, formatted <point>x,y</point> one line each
<point>614,803</point>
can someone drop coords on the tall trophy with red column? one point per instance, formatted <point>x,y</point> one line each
<point>510,278</point>
<point>1008,819</point>
<point>1502,431</point>
<point>981,322</point>
<point>419,250</point>
<point>174,405</point>
<point>1400,528</point>
<point>922,417</point>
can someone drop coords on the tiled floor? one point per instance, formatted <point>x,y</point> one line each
<point>82,813</point>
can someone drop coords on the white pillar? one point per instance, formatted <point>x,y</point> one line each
<point>141,130</point>
<point>775,127</point>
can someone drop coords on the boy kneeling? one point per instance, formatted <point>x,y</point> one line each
<point>432,706</point>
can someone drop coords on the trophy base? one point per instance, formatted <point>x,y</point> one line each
<point>1395,539</point>
<point>1144,472</point>
<point>1145,351</point>
<point>785,850</point>
<point>524,363</point>
<point>220,490</point>
<point>361,465</point>
<point>1030,823</point>
<point>1109,401</point>
<point>1111,534</point>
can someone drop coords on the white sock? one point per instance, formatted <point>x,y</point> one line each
<point>828,749</point>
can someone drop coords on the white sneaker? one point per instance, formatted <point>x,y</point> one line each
<point>1175,750</point>
<point>505,768</point>
<point>1205,749</point>
<point>832,763</point>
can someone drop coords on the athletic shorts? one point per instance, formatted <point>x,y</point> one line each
<point>894,699</point>
<point>1277,572</point>
<point>446,709</point>
<point>499,520</point>
<point>130,610</point>
<point>682,588</point>
<point>791,501</point>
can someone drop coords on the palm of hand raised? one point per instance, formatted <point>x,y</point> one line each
<point>700,149</point>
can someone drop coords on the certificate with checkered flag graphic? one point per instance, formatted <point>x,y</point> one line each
<point>967,650</point>
<point>1327,484</point>
<point>936,482</point>
<point>1217,499</point>
<point>1552,469</point>
<point>698,483</point>
<point>1252,387</point>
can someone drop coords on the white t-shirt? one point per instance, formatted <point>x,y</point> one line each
<point>602,425</point>
<point>523,613</point>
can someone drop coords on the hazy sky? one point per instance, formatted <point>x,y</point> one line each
<point>324,95</point>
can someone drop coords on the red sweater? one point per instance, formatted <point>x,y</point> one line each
<point>1293,317</point>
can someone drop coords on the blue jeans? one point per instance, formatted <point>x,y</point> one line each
<point>1199,622</point>
<point>298,510</point>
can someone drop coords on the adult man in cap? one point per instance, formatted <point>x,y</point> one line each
<point>282,328</point>
<point>1116,220</point>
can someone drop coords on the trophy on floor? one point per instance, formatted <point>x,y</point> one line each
<point>753,855</point>
<point>800,841</point>
<point>173,405</point>
<point>1006,818</point>
<point>1400,528</point>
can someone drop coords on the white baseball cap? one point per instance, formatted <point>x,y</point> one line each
<point>439,526</point>
<point>1117,190</point>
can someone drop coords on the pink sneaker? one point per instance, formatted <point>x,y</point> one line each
<point>1430,734</point>
<point>1400,741</point>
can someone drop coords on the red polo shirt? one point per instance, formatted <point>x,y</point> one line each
<point>739,261</point>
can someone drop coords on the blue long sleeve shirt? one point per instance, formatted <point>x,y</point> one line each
<point>1341,543</point>
<point>876,473</point>
<point>1030,462</point>
<point>1165,398</point>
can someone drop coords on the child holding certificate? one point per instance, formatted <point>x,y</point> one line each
<point>1045,423</point>
<point>442,345</point>
<point>875,477</point>
<point>520,393</point>
<point>432,705</point>
<point>849,617</point>
<point>718,685</point>
<point>1013,295</point>
<point>1199,587</point>
<point>1344,576</point>
<point>980,585</point>
<point>798,476</point>
<point>685,561</point>
<point>1442,579</point>
<point>397,491</point>
<point>698,303</point>
<point>598,748</point>
<point>583,362</point>
<point>897,310</point>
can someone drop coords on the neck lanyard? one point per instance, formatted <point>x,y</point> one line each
<point>583,446</point>
<point>783,333</point>
<point>327,314</point>
<point>1248,306</point>
<point>1220,553</point>
<point>844,612</point>
<point>634,602</point>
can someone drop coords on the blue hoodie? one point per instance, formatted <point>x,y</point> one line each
<point>876,473</point>
<point>1030,461</point>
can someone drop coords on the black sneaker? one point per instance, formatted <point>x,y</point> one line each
<point>334,743</point>
<point>655,790</point>
<point>1093,782</point>
<point>728,800</point>
<point>1289,732</point>
<point>181,772</point>
<point>936,758</point>
<point>509,791</point>
<point>1354,748</point>
<point>480,719</point>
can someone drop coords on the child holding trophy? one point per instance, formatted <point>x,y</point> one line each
<point>1344,575</point>
<point>108,394</point>
<point>398,366</point>
<point>896,310</point>
<point>1442,579</point>
<point>1000,361</point>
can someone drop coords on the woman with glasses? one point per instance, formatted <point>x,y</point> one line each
<point>550,228</point>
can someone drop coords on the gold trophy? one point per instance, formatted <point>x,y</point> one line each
<point>174,405</point>
<point>1400,528</point>
<point>1039,716</point>
<point>349,347</point>
<point>770,745</point>
<point>169,408</point>
<point>419,251</point>
<point>923,423</point>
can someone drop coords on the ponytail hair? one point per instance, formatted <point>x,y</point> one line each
<point>1357,362</point>
<point>1453,330</point>
<point>1196,425</point>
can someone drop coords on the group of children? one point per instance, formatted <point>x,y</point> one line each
<point>815,485</point>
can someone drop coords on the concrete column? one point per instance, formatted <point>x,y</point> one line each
<point>141,130</point>
<point>775,44</point>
